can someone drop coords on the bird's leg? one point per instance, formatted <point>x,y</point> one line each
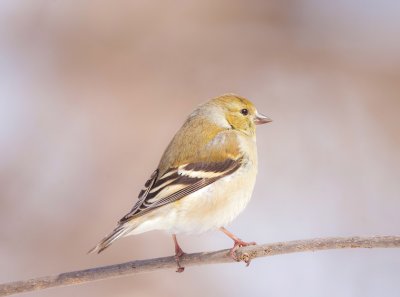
<point>178,254</point>
<point>237,244</point>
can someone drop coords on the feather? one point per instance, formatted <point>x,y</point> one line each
<point>118,232</point>
<point>179,182</point>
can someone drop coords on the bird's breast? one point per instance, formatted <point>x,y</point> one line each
<point>217,204</point>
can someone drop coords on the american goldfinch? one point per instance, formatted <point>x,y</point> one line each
<point>205,177</point>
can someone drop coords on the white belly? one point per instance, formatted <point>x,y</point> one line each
<point>216,205</point>
<point>209,208</point>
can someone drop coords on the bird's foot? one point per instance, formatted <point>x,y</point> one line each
<point>238,243</point>
<point>178,255</point>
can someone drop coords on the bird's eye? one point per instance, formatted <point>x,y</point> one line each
<point>244,111</point>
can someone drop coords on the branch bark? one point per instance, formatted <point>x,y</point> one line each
<point>245,254</point>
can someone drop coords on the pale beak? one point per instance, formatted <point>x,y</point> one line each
<point>260,119</point>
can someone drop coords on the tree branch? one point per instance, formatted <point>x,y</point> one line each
<point>245,254</point>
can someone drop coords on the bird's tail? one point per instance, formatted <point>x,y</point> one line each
<point>118,232</point>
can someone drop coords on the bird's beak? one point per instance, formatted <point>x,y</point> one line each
<point>260,119</point>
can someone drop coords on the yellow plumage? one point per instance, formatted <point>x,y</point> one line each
<point>205,177</point>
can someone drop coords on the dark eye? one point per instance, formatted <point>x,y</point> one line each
<point>244,111</point>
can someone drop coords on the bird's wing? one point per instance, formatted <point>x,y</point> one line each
<point>179,182</point>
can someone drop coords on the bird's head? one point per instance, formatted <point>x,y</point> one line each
<point>239,113</point>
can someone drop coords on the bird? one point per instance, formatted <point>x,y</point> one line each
<point>205,177</point>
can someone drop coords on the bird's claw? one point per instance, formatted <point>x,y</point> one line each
<point>180,269</point>
<point>245,257</point>
<point>178,256</point>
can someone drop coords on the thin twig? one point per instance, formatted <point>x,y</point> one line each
<point>245,254</point>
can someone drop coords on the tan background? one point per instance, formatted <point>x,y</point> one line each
<point>91,92</point>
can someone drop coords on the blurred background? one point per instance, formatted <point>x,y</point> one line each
<point>91,92</point>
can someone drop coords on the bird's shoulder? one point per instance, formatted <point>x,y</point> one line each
<point>200,141</point>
